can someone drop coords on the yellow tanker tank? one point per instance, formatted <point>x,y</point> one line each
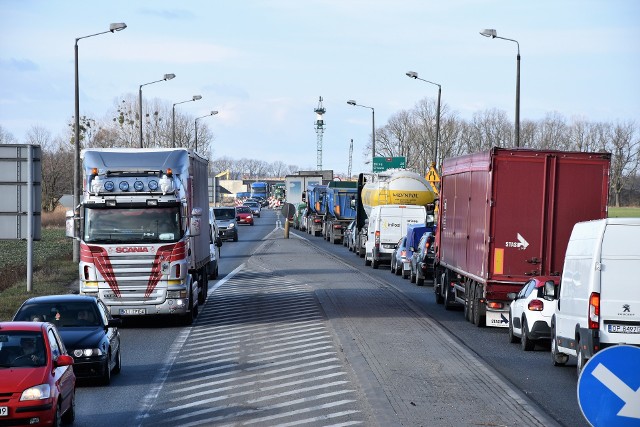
<point>396,187</point>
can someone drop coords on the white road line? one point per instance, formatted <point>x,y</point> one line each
<point>299,411</point>
<point>201,402</point>
<point>324,418</point>
<point>280,384</point>
<point>249,376</point>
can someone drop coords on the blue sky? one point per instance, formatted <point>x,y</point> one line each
<point>263,64</point>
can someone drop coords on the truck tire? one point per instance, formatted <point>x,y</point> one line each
<point>439,297</point>
<point>478,319</point>
<point>446,299</point>
<point>202,285</point>
<point>375,264</point>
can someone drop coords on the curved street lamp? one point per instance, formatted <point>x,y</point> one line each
<point>173,117</point>
<point>491,33</point>
<point>117,26</point>
<point>165,78</point>
<point>213,113</point>
<point>414,75</point>
<point>373,128</point>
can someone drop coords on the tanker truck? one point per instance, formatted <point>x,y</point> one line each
<point>339,211</point>
<point>389,201</point>
<point>505,215</point>
<point>144,231</point>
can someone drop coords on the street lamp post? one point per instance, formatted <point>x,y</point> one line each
<point>213,113</point>
<point>494,35</point>
<point>173,117</point>
<point>373,128</point>
<point>118,26</point>
<point>414,75</point>
<point>166,77</point>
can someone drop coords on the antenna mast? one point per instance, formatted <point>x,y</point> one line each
<point>320,110</point>
<point>350,156</point>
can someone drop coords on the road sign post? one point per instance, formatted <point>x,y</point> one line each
<point>609,387</point>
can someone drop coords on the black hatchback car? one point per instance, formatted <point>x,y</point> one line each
<point>87,329</point>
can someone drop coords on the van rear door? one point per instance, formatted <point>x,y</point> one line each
<point>619,285</point>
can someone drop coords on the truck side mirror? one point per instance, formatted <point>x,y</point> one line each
<point>70,224</point>
<point>195,222</point>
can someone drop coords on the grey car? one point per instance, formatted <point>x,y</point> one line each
<point>398,256</point>
<point>225,218</point>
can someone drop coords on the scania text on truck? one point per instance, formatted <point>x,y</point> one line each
<point>143,222</point>
<point>505,215</point>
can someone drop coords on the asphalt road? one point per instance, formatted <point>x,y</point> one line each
<point>174,375</point>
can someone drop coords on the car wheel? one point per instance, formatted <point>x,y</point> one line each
<point>118,367</point>
<point>235,237</point>
<point>559,359</point>
<point>412,277</point>
<point>366,260</point>
<point>69,416</point>
<point>405,275</point>
<point>527,343</point>
<point>106,375</point>
<point>419,281</point>
<point>392,268</point>
<point>582,360</point>
<point>512,337</point>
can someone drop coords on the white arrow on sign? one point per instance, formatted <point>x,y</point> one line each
<point>630,398</point>
<point>523,243</point>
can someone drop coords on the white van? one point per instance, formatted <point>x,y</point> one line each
<point>387,225</point>
<point>599,302</point>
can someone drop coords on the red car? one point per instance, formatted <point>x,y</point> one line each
<point>244,215</point>
<point>37,383</point>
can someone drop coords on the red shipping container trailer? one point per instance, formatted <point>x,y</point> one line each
<point>506,215</point>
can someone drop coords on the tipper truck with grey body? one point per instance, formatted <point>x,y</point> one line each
<point>340,209</point>
<point>506,215</point>
<point>143,231</point>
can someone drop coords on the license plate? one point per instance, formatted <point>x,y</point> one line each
<point>132,311</point>
<point>4,411</point>
<point>624,329</point>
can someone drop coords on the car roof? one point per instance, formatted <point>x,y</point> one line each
<point>22,326</point>
<point>60,298</point>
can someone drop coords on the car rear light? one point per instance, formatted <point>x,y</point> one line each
<point>403,253</point>
<point>594,310</point>
<point>535,305</point>
<point>377,239</point>
<point>495,305</point>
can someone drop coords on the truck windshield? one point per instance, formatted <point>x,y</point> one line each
<point>132,225</point>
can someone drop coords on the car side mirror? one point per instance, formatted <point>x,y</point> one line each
<point>63,360</point>
<point>550,291</point>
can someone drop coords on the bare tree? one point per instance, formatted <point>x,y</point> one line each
<point>625,148</point>
<point>6,137</point>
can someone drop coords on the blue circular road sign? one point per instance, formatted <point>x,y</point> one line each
<point>609,387</point>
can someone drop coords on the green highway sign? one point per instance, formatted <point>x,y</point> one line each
<point>381,164</point>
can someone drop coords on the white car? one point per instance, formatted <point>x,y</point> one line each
<point>530,313</point>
